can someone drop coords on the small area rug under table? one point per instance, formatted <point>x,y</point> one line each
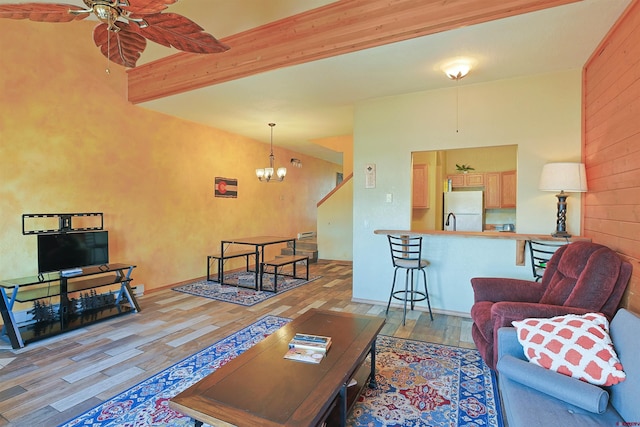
<point>243,295</point>
<point>419,384</point>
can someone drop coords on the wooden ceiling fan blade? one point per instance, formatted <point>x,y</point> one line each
<point>42,12</point>
<point>122,47</point>
<point>173,30</point>
<point>147,7</point>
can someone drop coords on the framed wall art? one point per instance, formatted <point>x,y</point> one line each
<point>226,187</point>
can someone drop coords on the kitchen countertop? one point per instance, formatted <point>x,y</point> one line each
<point>486,234</point>
<point>520,238</point>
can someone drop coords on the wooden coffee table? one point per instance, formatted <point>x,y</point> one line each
<point>261,388</point>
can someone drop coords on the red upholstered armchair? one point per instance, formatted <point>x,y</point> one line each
<point>581,277</point>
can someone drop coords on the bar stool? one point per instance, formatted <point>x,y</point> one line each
<point>406,253</point>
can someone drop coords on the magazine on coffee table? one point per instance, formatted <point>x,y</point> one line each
<point>304,355</point>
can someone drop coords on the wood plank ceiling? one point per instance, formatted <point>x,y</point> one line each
<point>335,29</point>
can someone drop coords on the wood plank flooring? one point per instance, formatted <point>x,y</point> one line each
<point>50,381</point>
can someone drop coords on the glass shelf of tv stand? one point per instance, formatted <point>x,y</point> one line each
<point>55,285</point>
<point>51,283</point>
<point>55,276</point>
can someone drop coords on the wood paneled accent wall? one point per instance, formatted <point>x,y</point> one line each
<point>611,145</point>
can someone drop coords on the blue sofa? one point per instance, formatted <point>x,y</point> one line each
<point>534,396</point>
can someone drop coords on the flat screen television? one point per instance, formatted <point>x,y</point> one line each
<point>57,252</point>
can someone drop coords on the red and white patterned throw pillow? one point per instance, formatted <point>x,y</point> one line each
<point>576,346</point>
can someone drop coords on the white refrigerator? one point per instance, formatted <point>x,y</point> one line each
<point>463,211</point>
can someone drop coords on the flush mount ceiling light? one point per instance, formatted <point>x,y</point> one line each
<point>266,174</point>
<point>457,69</point>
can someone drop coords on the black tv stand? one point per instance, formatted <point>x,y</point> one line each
<point>62,303</point>
<point>73,272</point>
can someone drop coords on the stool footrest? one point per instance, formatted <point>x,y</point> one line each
<point>411,296</point>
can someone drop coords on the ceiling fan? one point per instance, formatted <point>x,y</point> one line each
<point>125,26</point>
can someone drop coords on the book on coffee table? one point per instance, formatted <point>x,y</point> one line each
<point>312,338</point>
<point>304,355</point>
<point>311,342</point>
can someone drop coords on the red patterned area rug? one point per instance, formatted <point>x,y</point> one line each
<point>425,384</point>
<point>419,384</point>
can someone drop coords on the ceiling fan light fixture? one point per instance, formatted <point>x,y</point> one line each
<point>117,16</point>
<point>106,13</point>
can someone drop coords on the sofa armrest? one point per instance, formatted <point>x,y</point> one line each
<point>504,289</point>
<point>624,334</point>
<point>508,343</point>
<point>573,391</point>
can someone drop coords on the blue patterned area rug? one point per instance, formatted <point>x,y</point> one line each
<point>230,292</point>
<point>419,384</point>
<point>147,403</point>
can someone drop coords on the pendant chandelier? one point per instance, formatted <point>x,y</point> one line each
<point>266,174</point>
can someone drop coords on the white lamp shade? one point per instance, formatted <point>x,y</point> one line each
<point>569,177</point>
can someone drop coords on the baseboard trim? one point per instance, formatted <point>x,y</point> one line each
<point>417,308</point>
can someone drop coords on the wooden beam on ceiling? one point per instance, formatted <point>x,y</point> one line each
<point>335,29</point>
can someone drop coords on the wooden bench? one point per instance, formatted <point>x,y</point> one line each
<point>280,262</point>
<point>220,258</point>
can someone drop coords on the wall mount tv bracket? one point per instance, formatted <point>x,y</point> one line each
<point>64,223</point>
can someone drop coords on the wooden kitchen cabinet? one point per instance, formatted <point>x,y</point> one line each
<point>420,186</point>
<point>456,180</point>
<point>467,180</point>
<point>492,190</point>
<point>509,188</point>
<point>500,190</point>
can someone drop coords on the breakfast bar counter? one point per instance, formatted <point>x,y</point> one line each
<point>455,257</point>
<point>487,234</point>
<point>520,238</point>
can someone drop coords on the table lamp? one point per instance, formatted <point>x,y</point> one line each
<point>569,177</point>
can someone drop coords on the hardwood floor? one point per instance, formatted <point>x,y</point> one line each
<point>50,381</point>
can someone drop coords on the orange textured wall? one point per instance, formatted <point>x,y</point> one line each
<point>70,142</point>
<point>612,145</point>
<point>342,144</point>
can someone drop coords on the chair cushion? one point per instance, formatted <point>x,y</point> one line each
<point>586,276</point>
<point>602,271</point>
<point>576,346</point>
<point>571,261</point>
